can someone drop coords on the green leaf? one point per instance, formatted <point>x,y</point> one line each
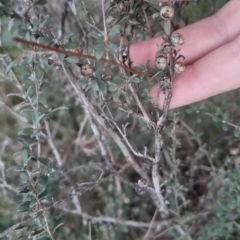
<point>15,95</point>
<point>18,168</point>
<point>23,142</point>
<point>10,66</point>
<point>118,81</point>
<point>45,40</point>
<point>22,33</point>
<point>42,24</point>
<point>71,45</point>
<point>67,36</point>
<point>237,132</point>
<point>44,237</point>
<point>116,95</point>
<point>6,37</point>
<point>100,50</point>
<point>24,188</point>
<point>59,225</point>
<point>42,180</point>
<point>114,30</point>
<point>44,85</point>
<point>42,192</point>
<point>59,108</point>
<point>166,27</point>
<point>35,233</point>
<point>24,176</point>
<point>155,15</point>
<point>83,82</point>
<point>24,206</point>
<point>46,162</point>
<point>135,80</point>
<point>26,131</point>
<point>101,85</point>
<point>72,59</point>
<point>35,117</point>
<point>25,155</point>
<point>40,2</point>
<point>112,87</point>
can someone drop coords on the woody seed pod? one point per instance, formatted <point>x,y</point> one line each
<point>121,7</point>
<point>167,12</point>
<point>161,62</point>
<point>106,76</point>
<point>111,20</point>
<point>177,39</point>
<point>87,70</point>
<point>179,67</point>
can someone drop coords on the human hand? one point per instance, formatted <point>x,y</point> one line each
<point>212,52</point>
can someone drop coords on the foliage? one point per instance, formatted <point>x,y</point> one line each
<point>84,152</point>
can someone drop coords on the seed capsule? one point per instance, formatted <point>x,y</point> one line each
<point>87,70</point>
<point>177,39</point>
<point>167,48</point>
<point>106,76</point>
<point>167,12</point>
<point>161,62</point>
<point>179,67</point>
<point>121,7</point>
<point>111,20</point>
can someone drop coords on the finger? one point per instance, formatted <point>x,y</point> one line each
<point>213,74</point>
<point>201,37</point>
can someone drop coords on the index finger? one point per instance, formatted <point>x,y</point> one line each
<point>201,37</point>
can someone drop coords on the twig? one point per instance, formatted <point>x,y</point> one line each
<point>69,53</point>
<point>50,141</point>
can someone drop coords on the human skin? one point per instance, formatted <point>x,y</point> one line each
<point>212,57</point>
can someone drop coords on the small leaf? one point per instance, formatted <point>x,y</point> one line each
<point>100,50</point>
<point>45,40</point>
<point>15,95</point>
<point>46,162</point>
<point>114,30</point>
<point>67,36</point>
<point>23,142</point>
<point>10,66</point>
<point>155,15</point>
<point>101,85</point>
<point>118,81</point>
<point>116,95</point>
<point>6,37</point>
<point>25,155</point>
<point>42,180</point>
<point>71,45</point>
<point>166,27</point>
<point>59,225</point>
<point>40,2</point>
<point>42,24</point>
<point>72,59</point>
<point>59,108</point>
<point>135,80</point>
<point>42,192</point>
<point>35,117</point>
<point>26,131</point>
<point>24,188</point>
<point>24,206</point>
<point>83,82</point>
<point>112,87</point>
<point>44,85</point>
<point>35,233</point>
